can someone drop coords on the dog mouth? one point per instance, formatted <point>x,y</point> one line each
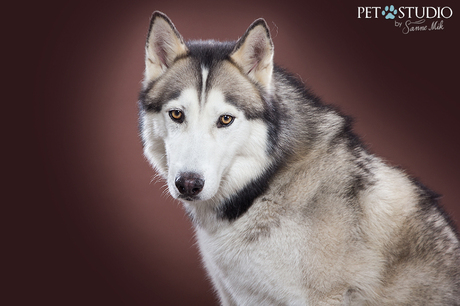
<point>188,198</point>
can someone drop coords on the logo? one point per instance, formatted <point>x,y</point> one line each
<point>409,19</point>
<point>390,12</point>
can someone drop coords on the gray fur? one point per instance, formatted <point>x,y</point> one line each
<point>325,222</point>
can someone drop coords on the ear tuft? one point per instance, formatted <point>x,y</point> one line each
<point>164,44</point>
<point>254,52</point>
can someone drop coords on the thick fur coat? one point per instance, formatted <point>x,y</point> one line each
<point>289,207</point>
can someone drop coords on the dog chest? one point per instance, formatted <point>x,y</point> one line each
<point>255,270</point>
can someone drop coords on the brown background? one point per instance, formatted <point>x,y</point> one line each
<point>84,221</point>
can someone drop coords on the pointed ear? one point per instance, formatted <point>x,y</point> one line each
<point>254,53</point>
<point>164,45</point>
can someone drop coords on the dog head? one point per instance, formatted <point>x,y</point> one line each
<point>204,110</point>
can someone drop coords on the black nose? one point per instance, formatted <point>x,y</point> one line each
<point>189,184</point>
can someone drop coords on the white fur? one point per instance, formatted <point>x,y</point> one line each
<point>204,78</point>
<point>227,158</point>
<point>302,242</point>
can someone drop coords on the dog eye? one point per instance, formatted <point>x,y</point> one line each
<point>225,120</point>
<point>176,115</point>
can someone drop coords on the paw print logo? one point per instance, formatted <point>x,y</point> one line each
<point>390,12</point>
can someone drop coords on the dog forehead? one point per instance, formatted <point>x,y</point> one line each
<point>223,76</point>
<point>182,75</point>
<point>237,89</point>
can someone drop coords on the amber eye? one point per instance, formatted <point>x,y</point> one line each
<point>225,120</point>
<point>176,115</point>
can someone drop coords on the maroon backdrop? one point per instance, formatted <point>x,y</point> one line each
<point>85,221</point>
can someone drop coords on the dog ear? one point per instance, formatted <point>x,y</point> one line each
<point>254,52</point>
<point>164,45</point>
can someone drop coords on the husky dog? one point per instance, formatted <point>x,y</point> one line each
<point>288,205</point>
